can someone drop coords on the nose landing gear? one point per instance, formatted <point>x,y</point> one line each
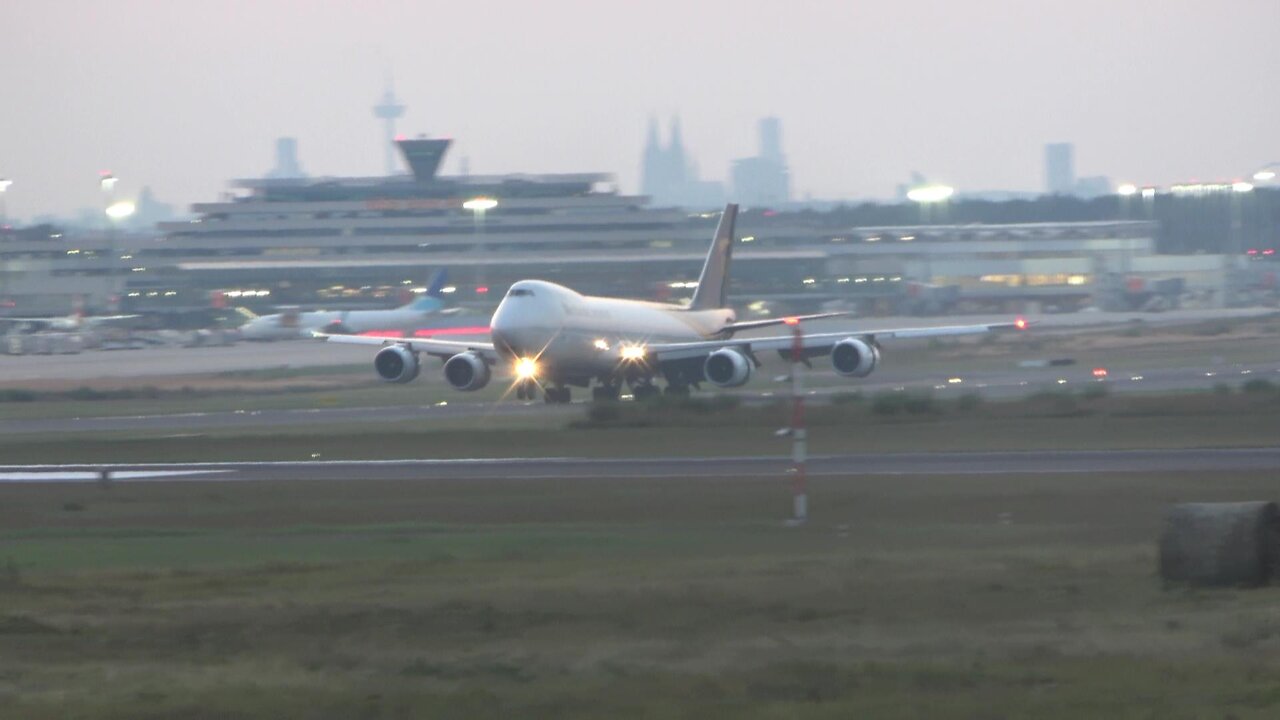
<point>526,390</point>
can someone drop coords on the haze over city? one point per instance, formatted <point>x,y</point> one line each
<point>183,96</point>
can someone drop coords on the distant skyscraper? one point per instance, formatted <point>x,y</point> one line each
<point>771,138</point>
<point>1060,168</point>
<point>763,180</point>
<point>663,168</point>
<point>388,110</point>
<point>669,177</point>
<point>149,211</point>
<point>675,152</point>
<point>286,159</point>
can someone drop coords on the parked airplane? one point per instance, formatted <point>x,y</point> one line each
<point>66,323</point>
<point>552,337</point>
<point>293,324</point>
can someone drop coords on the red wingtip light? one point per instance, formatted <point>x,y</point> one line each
<point>1020,323</point>
<point>791,320</point>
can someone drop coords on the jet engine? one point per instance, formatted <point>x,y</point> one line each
<point>396,364</point>
<point>853,357</point>
<point>466,371</point>
<point>727,367</point>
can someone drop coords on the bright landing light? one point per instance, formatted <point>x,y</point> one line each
<point>120,210</point>
<point>930,193</point>
<point>480,203</point>
<point>526,368</point>
<point>633,352</point>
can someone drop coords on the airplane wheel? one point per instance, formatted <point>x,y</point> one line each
<point>644,392</point>
<point>676,391</point>
<point>605,393</point>
<point>559,395</point>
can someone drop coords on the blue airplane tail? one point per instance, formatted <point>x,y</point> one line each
<point>437,283</point>
<point>432,299</point>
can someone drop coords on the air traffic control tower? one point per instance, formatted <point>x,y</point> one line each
<point>388,110</point>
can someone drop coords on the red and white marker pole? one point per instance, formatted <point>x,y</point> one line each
<point>799,434</point>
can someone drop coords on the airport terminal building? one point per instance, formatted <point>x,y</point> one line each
<point>371,242</point>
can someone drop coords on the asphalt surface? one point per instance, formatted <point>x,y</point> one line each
<point>1007,383</point>
<point>605,470</point>
<point>248,419</point>
<point>999,384</point>
<point>162,361</point>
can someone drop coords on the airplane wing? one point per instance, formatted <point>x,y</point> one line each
<point>770,322</point>
<point>28,321</point>
<point>814,344</point>
<point>429,346</point>
<point>68,321</point>
<point>105,319</point>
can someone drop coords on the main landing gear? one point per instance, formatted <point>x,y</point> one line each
<point>644,391</point>
<point>528,390</point>
<point>606,393</point>
<point>640,390</point>
<point>648,391</point>
<point>558,395</point>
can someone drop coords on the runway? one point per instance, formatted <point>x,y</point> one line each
<point>248,419</point>
<point>173,361</point>
<point>693,468</point>
<point>1004,384</point>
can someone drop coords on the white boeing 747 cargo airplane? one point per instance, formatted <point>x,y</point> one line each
<point>551,337</point>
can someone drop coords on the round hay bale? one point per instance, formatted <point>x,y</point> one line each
<point>1221,544</point>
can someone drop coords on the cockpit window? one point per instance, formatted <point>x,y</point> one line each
<point>517,292</point>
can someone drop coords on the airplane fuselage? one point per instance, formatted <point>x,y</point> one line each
<point>574,336</point>
<point>282,326</point>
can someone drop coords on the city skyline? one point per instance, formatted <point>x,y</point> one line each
<point>184,97</point>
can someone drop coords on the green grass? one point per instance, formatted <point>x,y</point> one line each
<point>362,393</point>
<point>948,597</point>
<point>290,372</point>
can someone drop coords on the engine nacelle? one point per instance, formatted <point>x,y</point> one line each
<point>853,357</point>
<point>396,364</point>
<point>727,367</point>
<point>466,371</point>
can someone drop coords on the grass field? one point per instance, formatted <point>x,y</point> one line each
<point>943,597</point>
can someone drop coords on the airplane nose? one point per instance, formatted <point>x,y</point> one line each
<point>523,326</point>
<point>503,328</point>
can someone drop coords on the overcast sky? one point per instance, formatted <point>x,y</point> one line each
<point>182,95</point>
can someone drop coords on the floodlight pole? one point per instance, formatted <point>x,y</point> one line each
<point>799,433</point>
